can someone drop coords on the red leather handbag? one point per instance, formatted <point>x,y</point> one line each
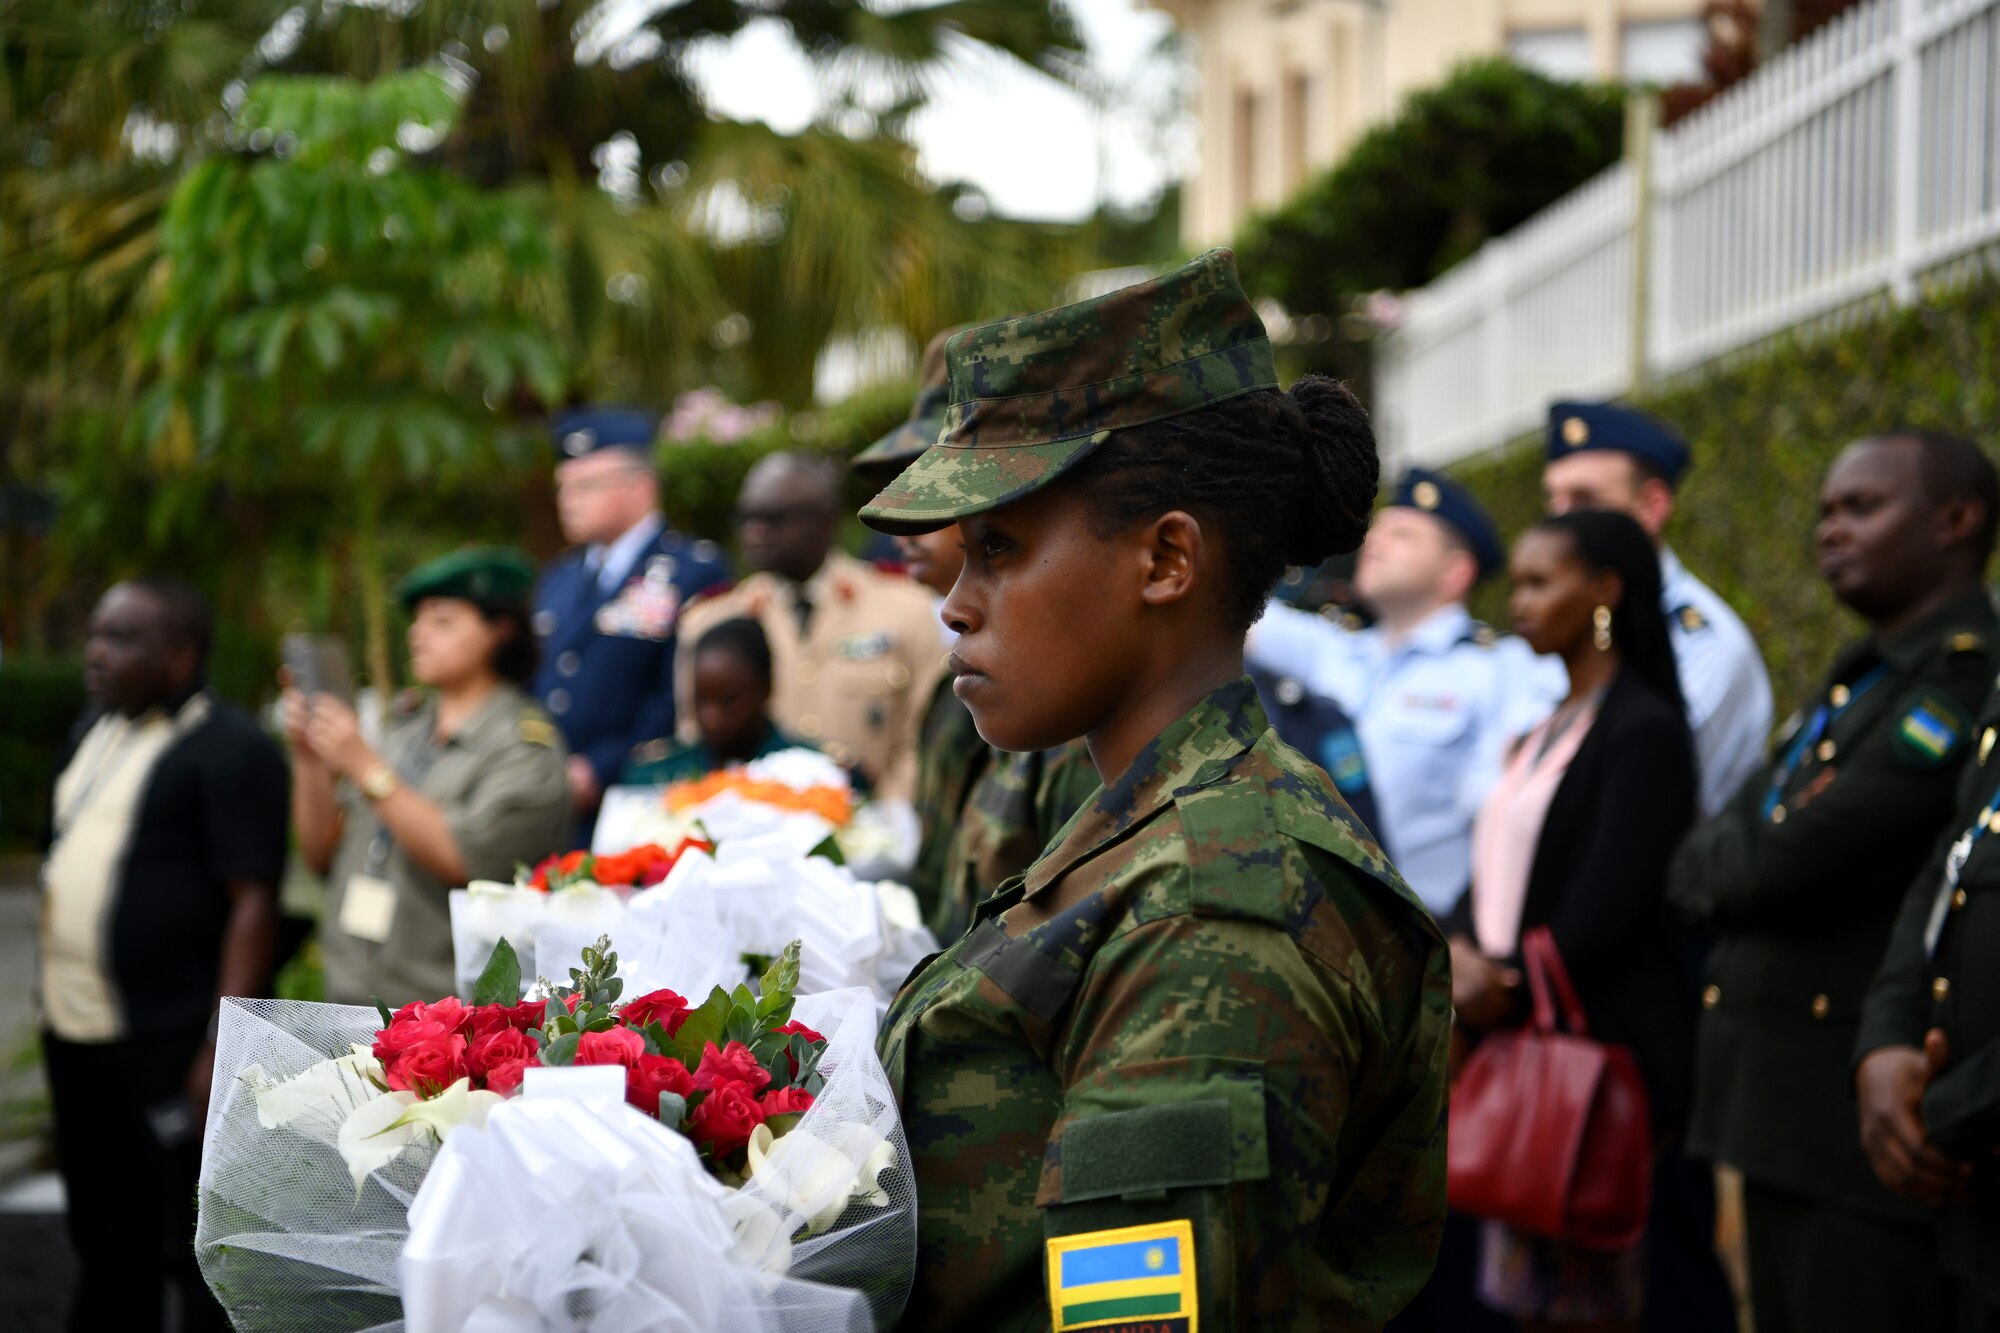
<point>1551,1131</point>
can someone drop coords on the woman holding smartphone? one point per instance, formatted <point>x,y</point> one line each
<point>468,784</point>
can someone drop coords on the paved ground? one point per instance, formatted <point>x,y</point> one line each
<point>35,1259</point>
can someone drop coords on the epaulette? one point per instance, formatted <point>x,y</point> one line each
<point>1690,619</point>
<point>1965,641</point>
<point>407,702</point>
<point>713,591</point>
<point>647,752</point>
<point>535,728</point>
<point>1485,636</point>
<point>1346,619</point>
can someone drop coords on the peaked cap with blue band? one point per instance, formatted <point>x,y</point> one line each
<point>1031,396</point>
<point>585,430</point>
<point>1435,494</point>
<point>1576,428</point>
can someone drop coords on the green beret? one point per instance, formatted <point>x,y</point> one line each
<point>495,577</point>
<point>1031,396</point>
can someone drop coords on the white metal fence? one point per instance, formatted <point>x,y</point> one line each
<point>1848,168</point>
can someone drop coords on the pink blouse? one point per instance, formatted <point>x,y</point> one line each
<point>1509,828</point>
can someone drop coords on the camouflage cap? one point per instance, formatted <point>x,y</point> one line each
<point>1031,396</point>
<point>880,461</point>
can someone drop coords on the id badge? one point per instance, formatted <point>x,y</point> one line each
<point>368,908</point>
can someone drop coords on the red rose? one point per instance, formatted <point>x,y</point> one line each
<point>785,1101</point>
<point>661,1006</point>
<point>429,1067</point>
<point>506,1047</point>
<point>796,1028</point>
<point>725,1118</point>
<point>504,1076</point>
<point>733,1064</point>
<point>653,1075</point>
<point>488,1019</point>
<point>448,1011</point>
<point>613,1046</point>
<point>402,1034</point>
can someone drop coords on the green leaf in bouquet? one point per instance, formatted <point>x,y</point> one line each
<point>500,981</point>
<point>742,1024</point>
<point>743,999</point>
<point>382,1009</point>
<point>782,977</point>
<point>553,1013</point>
<point>673,1109</point>
<point>805,1055</point>
<point>772,1057</point>
<point>561,1051</point>
<point>781,1125</point>
<point>756,962</point>
<point>830,850</point>
<point>702,1026</point>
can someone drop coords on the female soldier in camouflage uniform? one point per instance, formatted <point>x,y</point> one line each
<point>1192,1064</point>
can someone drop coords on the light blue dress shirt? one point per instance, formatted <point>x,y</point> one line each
<point>1723,679</point>
<point>1436,711</point>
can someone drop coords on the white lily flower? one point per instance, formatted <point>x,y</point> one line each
<point>321,1096</point>
<point>818,1179</point>
<point>378,1132</point>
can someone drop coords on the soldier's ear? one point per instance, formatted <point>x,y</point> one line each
<point>1173,546</point>
<point>1960,518</point>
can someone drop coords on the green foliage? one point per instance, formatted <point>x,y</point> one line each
<point>40,702</point>
<point>1462,162</point>
<point>1764,428</point>
<point>500,981</point>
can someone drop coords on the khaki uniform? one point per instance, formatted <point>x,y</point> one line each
<point>499,780</point>
<point>858,683</point>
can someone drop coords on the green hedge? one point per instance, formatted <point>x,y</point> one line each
<point>1764,428</point>
<point>39,703</point>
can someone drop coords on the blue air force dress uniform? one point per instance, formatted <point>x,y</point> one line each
<point>605,614</point>
<point>1435,709</point>
<point>1722,675</point>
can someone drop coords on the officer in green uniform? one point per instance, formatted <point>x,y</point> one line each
<point>732,711</point>
<point>469,782</point>
<point>1801,875</point>
<point>950,755</point>
<point>1927,1078</point>
<point>1191,1066</point>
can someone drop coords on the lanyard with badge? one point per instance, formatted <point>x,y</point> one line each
<point>368,907</point>
<point>1842,698</point>
<point>1954,864</point>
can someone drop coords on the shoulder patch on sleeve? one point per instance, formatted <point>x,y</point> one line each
<point>1124,1276</point>
<point>1931,727</point>
<point>536,729</point>
<point>1965,641</point>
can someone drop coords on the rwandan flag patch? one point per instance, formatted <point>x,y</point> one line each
<point>1130,1280</point>
<point>1930,731</point>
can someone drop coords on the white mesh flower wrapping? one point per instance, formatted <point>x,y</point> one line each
<point>553,1215</point>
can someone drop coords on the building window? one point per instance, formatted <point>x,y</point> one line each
<point>1663,53</point>
<point>1560,53</point>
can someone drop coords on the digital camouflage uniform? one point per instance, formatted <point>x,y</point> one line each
<point>1017,804</point>
<point>1191,1067</point>
<point>950,761</point>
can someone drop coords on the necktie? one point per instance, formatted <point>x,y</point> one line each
<point>803,607</point>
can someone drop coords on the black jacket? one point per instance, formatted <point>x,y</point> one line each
<point>1956,988</point>
<point>1801,898</point>
<point>1599,885</point>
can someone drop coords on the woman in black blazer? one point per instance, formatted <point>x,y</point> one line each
<point>1576,837</point>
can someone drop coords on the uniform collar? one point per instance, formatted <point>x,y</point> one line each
<point>1907,649</point>
<point>499,706</point>
<point>833,579</point>
<point>1194,751</point>
<point>618,557</point>
<point>1440,631</point>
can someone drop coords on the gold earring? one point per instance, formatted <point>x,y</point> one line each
<point>1601,618</point>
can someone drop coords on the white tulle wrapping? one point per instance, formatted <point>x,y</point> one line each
<point>554,1216</point>
<point>691,931</point>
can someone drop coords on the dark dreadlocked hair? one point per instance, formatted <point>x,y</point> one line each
<point>1287,478</point>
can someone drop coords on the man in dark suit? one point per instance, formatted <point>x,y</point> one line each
<point>606,610</point>
<point>1800,877</point>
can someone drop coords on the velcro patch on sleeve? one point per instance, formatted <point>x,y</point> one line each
<point>1129,1277</point>
<point>1930,729</point>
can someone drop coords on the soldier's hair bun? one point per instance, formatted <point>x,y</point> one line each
<point>1282,478</point>
<point>1338,472</point>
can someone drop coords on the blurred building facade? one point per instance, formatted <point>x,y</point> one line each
<point>1288,85</point>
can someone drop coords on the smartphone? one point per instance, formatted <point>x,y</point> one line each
<point>318,665</point>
